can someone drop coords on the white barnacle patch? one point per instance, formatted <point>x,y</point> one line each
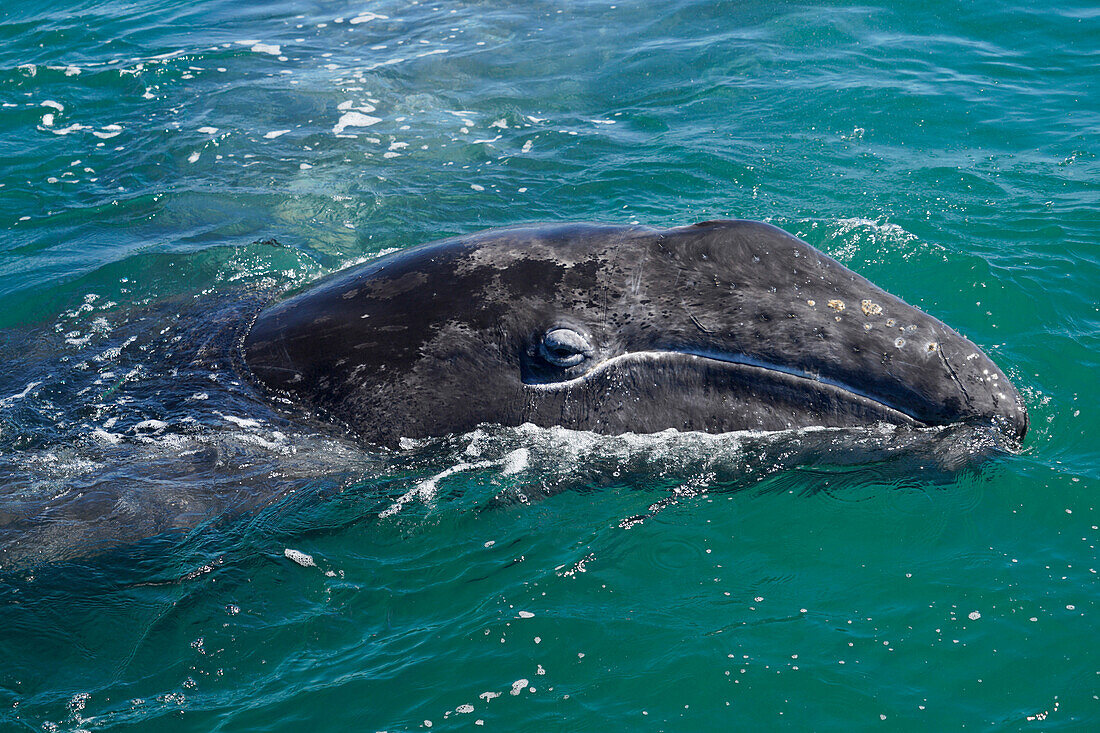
<point>811,303</point>
<point>891,322</point>
<point>899,342</point>
<point>837,305</point>
<point>932,346</point>
<point>870,308</point>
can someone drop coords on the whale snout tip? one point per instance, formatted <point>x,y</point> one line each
<point>1010,413</point>
<point>975,390</point>
<point>1010,417</point>
<point>1014,421</point>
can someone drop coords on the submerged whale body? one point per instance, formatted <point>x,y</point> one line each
<point>715,327</point>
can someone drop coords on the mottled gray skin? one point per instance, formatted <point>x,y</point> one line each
<point>720,326</point>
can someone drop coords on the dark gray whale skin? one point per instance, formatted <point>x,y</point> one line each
<point>716,327</point>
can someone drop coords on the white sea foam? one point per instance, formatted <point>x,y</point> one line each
<point>350,105</point>
<point>13,398</point>
<point>302,558</point>
<point>73,128</point>
<point>113,438</point>
<point>426,489</point>
<point>367,17</point>
<point>354,119</point>
<point>855,231</point>
<point>876,227</point>
<point>108,131</point>
<point>516,461</point>
<point>243,422</point>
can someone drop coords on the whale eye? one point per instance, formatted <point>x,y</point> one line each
<point>564,347</point>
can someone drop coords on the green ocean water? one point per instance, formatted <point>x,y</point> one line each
<point>176,554</point>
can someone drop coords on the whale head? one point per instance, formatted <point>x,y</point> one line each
<point>716,327</point>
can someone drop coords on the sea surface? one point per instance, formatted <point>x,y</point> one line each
<point>176,554</point>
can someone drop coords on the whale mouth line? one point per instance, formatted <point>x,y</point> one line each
<point>741,361</point>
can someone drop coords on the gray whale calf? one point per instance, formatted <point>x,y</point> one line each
<point>715,327</point>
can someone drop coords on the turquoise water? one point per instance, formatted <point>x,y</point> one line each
<point>175,554</point>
